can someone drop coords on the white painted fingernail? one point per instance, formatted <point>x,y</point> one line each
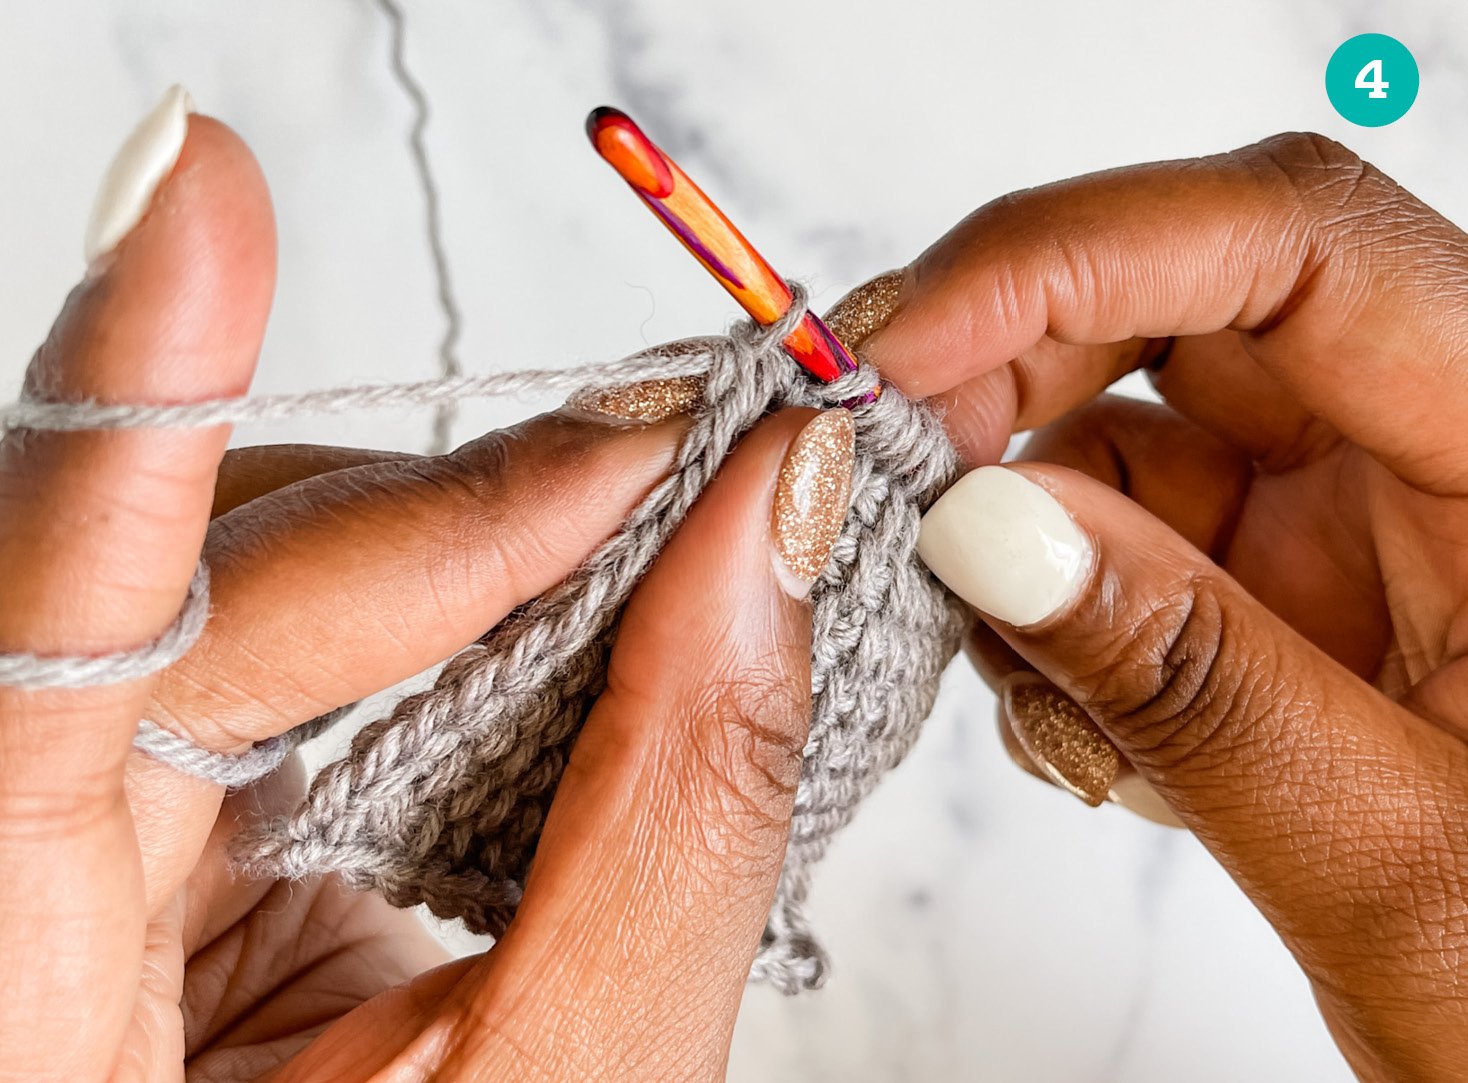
<point>144,159</point>
<point>1005,546</point>
<point>1135,794</point>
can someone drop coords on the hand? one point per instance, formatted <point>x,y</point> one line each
<point>1258,591</point>
<point>126,948</point>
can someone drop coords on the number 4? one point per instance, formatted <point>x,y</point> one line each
<point>1375,84</point>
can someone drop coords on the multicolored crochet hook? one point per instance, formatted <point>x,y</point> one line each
<point>706,232</point>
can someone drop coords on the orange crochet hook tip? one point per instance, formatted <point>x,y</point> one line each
<point>713,240</point>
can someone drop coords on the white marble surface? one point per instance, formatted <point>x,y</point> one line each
<point>983,926</point>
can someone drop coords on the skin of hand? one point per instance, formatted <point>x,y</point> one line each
<point>1268,630</point>
<point>127,949</point>
<point>1270,619</point>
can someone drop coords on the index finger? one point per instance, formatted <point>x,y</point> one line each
<point>1351,292</point>
<point>99,536</point>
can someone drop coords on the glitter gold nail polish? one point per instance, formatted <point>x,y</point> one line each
<point>1015,750</point>
<point>1060,738</point>
<point>865,309</point>
<point>811,499</point>
<point>641,403</point>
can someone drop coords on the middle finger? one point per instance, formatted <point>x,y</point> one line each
<point>347,583</point>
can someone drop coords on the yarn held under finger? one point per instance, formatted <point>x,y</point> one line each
<point>441,802</point>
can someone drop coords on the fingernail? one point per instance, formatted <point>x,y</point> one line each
<point>1005,546</point>
<point>1060,738</point>
<point>1015,750</point>
<point>640,404</point>
<point>811,499</point>
<point>145,158</point>
<point>865,309</point>
<point>1135,794</point>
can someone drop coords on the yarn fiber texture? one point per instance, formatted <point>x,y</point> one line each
<point>441,802</point>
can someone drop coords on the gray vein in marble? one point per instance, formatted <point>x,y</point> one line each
<point>961,804</point>
<point>861,249</point>
<point>448,302</point>
<point>945,978</point>
<point>631,39</point>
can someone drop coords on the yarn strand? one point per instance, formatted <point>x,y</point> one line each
<point>86,416</point>
<point>441,801</point>
<point>21,669</point>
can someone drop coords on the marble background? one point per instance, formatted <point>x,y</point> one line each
<point>983,926</point>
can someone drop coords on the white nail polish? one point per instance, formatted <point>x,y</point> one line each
<point>1005,545</point>
<point>145,158</point>
<point>1135,794</point>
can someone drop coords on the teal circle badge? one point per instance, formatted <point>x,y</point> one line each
<point>1371,80</point>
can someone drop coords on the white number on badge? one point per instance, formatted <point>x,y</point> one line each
<point>1375,84</point>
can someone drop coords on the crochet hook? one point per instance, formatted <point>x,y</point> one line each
<point>713,240</point>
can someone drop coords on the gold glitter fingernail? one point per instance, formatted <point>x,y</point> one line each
<point>1015,750</point>
<point>1060,737</point>
<point>811,499</point>
<point>865,309</point>
<point>643,403</point>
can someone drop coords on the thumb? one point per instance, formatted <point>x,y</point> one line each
<point>1199,685</point>
<point>1330,804</point>
<point>661,853</point>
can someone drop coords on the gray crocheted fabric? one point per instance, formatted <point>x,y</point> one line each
<point>442,802</point>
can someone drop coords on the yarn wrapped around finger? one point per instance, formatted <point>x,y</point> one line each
<point>441,802</point>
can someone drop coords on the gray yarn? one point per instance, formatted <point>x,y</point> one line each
<point>85,416</point>
<point>21,669</point>
<point>234,770</point>
<point>441,802</point>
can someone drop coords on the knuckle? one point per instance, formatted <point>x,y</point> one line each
<point>1326,183</point>
<point>747,735</point>
<point>515,494</point>
<point>1299,155</point>
<point>1341,199</point>
<point>44,815</point>
<point>489,456</point>
<point>541,448</point>
<point>1317,170</point>
<point>1361,230</point>
<point>475,477</point>
<point>1172,682</point>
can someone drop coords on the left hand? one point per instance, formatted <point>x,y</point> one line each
<point>656,868</point>
<point>126,948</point>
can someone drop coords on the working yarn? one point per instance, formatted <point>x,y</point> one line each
<point>441,802</point>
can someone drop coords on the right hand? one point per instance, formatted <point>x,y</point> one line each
<point>1269,619</point>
